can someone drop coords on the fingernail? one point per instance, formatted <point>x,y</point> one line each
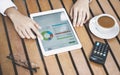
<point>22,37</point>
<point>74,25</point>
<point>34,38</point>
<point>81,25</point>
<point>28,37</point>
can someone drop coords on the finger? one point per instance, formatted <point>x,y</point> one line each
<point>75,17</point>
<point>30,33</point>
<point>87,17</point>
<point>83,18</point>
<point>79,18</point>
<point>37,32</point>
<point>19,33</point>
<point>25,34</point>
<point>36,24</point>
<point>71,13</point>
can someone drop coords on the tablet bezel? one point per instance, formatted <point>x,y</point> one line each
<point>63,49</point>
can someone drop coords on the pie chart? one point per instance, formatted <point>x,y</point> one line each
<point>47,35</point>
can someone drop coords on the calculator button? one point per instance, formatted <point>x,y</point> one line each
<point>101,53</point>
<point>97,43</point>
<point>104,54</point>
<point>98,52</point>
<point>95,51</point>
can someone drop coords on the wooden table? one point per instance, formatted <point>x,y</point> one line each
<point>68,63</point>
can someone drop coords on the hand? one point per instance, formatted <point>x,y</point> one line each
<point>80,12</point>
<point>23,24</point>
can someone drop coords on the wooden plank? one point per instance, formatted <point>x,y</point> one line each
<point>64,58</point>
<point>41,4</point>
<point>95,7</point>
<point>44,5</point>
<point>68,4</point>
<point>4,51</point>
<point>52,65</point>
<point>87,46</point>
<point>115,46</point>
<point>32,6</point>
<point>34,56</point>
<point>21,7</point>
<point>66,64</point>
<point>80,62</point>
<point>116,5</point>
<point>56,4</point>
<point>77,55</point>
<point>31,44</point>
<point>111,66</point>
<point>17,50</point>
<point>0,70</point>
<point>70,62</point>
<point>7,68</point>
<point>109,62</point>
<point>50,61</point>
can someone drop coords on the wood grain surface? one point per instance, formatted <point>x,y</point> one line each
<point>68,63</point>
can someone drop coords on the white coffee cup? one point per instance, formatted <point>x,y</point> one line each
<point>105,23</point>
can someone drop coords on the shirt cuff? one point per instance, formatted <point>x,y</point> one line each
<point>5,4</point>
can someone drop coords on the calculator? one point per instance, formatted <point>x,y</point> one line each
<point>99,52</point>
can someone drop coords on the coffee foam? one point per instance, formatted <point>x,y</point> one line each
<point>106,22</point>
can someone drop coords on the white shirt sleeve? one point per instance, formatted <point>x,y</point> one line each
<point>5,4</point>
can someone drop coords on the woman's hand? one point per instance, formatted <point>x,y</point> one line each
<point>23,24</point>
<point>80,12</point>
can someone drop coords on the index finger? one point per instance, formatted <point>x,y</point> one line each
<point>75,17</point>
<point>37,32</point>
<point>36,25</point>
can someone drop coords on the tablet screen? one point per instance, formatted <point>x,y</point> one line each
<point>56,31</point>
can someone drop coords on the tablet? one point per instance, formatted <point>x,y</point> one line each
<point>57,31</point>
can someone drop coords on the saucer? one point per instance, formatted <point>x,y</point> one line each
<point>99,34</point>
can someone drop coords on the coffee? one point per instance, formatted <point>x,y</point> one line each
<point>106,22</point>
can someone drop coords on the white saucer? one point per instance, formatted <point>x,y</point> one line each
<point>99,34</point>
